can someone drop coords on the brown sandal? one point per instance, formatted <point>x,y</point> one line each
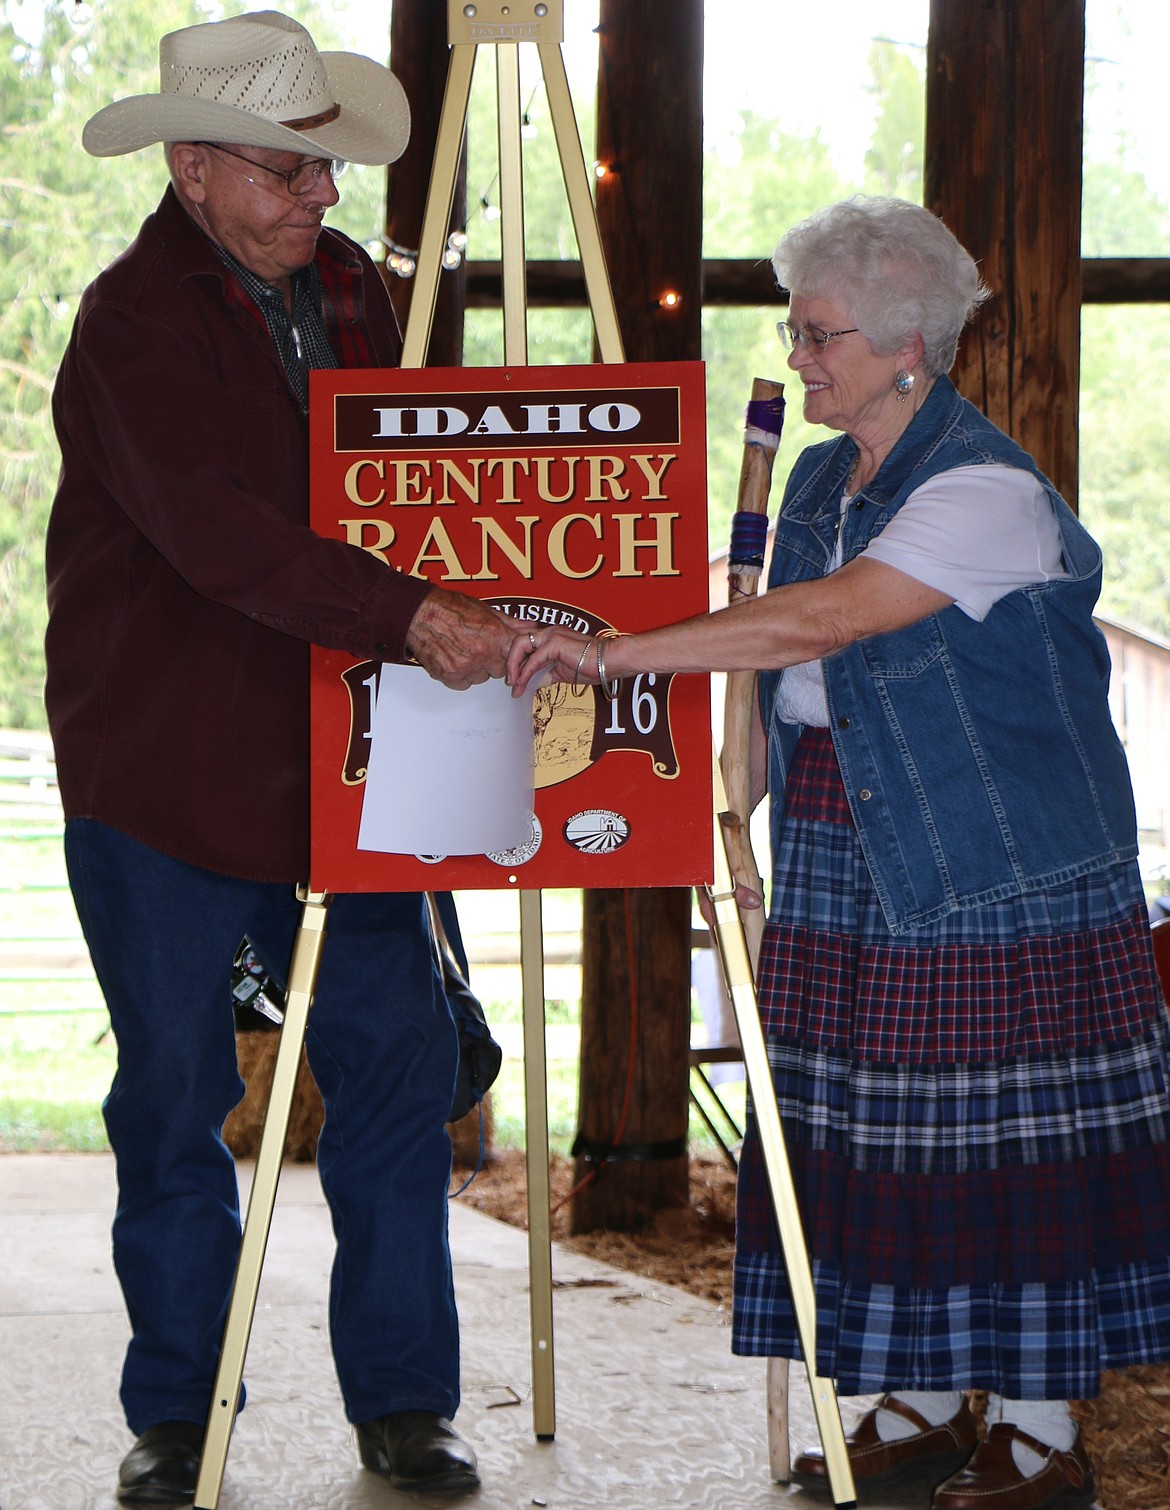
<point>991,1480</point>
<point>931,1455</point>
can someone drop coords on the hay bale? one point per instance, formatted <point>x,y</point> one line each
<point>256,1056</point>
<point>465,1135</point>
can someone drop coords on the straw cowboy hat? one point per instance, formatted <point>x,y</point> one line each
<point>259,81</point>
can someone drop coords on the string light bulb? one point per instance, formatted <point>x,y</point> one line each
<point>404,260</point>
<point>671,299</point>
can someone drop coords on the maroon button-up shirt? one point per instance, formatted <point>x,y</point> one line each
<point>184,583</point>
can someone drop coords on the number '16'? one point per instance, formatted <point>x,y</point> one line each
<point>643,707</point>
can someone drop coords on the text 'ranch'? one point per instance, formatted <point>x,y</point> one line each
<point>611,513</point>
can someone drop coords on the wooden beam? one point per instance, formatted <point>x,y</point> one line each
<point>650,202</point>
<point>1125,280</point>
<point>1004,90</point>
<point>731,281</point>
<point>553,283</point>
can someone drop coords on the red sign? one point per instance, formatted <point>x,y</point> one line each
<point>573,496</point>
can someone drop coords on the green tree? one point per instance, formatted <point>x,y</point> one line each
<point>63,216</point>
<point>764,181</point>
<point>1125,446</point>
<point>893,161</point>
<point>1125,455</point>
<point>1121,216</point>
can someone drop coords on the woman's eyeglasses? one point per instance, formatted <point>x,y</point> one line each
<point>811,337</point>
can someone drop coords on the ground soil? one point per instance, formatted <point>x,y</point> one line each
<point>1127,1430</point>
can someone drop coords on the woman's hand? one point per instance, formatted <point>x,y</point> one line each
<point>566,656</point>
<point>745,899</point>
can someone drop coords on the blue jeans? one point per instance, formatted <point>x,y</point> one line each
<point>383,1050</point>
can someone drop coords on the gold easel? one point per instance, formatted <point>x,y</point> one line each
<point>737,972</point>
<point>504,25</point>
<point>229,1376</point>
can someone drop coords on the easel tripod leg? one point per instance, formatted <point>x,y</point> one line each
<point>440,197</point>
<point>737,970</point>
<point>544,1414</point>
<point>597,283</point>
<point>229,1376</point>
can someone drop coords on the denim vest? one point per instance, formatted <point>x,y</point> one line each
<point>979,759</point>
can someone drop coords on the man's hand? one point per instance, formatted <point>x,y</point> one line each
<point>459,640</point>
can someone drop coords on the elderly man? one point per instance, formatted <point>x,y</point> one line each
<point>184,589</point>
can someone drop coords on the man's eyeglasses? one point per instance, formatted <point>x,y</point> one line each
<point>811,337</point>
<point>304,177</point>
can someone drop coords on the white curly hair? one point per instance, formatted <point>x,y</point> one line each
<point>895,265</point>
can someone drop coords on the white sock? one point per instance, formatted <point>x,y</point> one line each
<point>934,1406</point>
<point>1049,1421</point>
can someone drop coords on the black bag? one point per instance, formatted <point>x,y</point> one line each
<point>258,1002</point>
<point>480,1056</point>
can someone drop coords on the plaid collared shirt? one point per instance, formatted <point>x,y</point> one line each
<point>300,336</point>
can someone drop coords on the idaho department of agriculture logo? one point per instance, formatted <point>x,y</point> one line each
<point>597,831</point>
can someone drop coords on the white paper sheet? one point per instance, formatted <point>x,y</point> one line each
<point>450,773</point>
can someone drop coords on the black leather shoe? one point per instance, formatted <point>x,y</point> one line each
<point>162,1467</point>
<point>418,1451</point>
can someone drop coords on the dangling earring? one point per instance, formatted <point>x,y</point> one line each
<point>904,383</point>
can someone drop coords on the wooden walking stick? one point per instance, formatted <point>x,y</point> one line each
<point>745,562</point>
<point>738,935</point>
<point>762,429</point>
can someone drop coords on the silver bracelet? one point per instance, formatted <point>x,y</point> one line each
<point>609,690</point>
<point>578,687</point>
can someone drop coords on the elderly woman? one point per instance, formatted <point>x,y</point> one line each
<point>967,1037</point>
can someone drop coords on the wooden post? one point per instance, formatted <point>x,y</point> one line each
<point>1004,111</point>
<point>639,1026</point>
<point>649,209</point>
<point>650,196</point>
<point>418,56</point>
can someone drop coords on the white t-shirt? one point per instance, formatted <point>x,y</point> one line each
<point>975,533</point>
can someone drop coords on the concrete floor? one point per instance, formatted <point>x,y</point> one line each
<point>652,1409</point>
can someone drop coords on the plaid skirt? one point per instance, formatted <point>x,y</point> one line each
<point>977,1118</point>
